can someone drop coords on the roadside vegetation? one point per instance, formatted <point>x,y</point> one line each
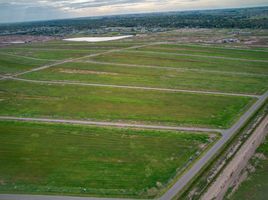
<point>255,187</point>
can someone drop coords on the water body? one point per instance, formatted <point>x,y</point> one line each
<point>96,39</point>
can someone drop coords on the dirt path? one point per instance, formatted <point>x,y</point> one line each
<point>188,175</point>
<point>28,57</point>
<point>237,164</point>
<point>202,56</point>
<point>218,47</point>
<point>136,87</point>
<point>83,57</point>
<point>172,68</point>
<point>144,126</point>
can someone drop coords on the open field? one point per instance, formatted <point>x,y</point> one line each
<point>185,62</point>
<point>60,44</point>
<point>208,51</point>
<point>147,77</point>
<point>256,185</point>
<point>50,54</point>
<point>13,64</point>
<point>215,88</point>
<point>84,160</point>
<point>113,104</point>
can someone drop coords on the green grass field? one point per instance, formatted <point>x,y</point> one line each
<point>81,45</point>
<point>186,62</point>
<point>51,54</point>
<point>142,76</point>
<point>50,158</point>
<point>256,185</point>
<point>80,160</point>
<point>13,64</point>
<point>113,104</point>
<point>208,51</point>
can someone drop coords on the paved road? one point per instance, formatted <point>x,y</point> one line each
<point>173,68</point>
<point>185,179</point>
<point>85,122</point>
<point>202,56</point>
<point>135,87</point>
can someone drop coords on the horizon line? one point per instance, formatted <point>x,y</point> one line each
<point>135,13</point>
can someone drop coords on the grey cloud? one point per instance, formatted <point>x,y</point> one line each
<point>12,12</point>
<point>25,10</point>
<point>99,3</point>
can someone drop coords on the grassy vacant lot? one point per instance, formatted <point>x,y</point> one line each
<point>142,76</point>
<point>25,57</point>
<point>51,54</point>
<point>80,160</point>
<point>81,45</point>
<point>113,104</point>
<point>188,62</point>
<point>208,51</point>
<point>13,64</point>
<point>256,186</point>
<point>43,158</point>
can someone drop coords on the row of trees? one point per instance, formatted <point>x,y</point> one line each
<point>228,18</point>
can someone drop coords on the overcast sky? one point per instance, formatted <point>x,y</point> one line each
<point>30,10</point>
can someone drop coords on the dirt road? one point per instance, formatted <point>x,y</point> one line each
<point>144,126</point>
<point>202,56</point>
<point>135,87</point>
<point>173,68</point>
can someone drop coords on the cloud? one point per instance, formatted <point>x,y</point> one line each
<point>29,10</point>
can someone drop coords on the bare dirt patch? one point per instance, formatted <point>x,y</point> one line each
<point>23,39</point>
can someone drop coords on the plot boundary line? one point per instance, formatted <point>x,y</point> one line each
<point>200,56</point>
<point>56,82</point>
<point>114,124</point>
<point>172,68</point>
<point>82,57</point>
